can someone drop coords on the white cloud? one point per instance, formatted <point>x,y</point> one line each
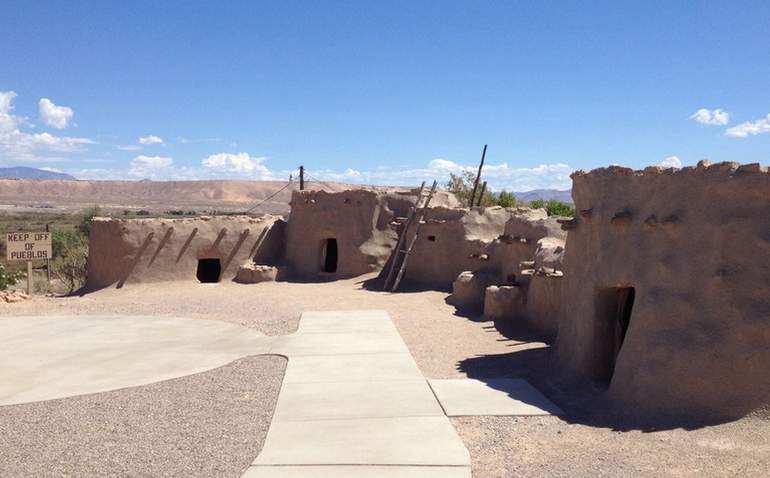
<point>717,117</point>
<point>54,116</point>
<point>151,139</point>
<point>671,162</point>
<point>150,166</point>
<point>17,146</point>
<point>237,163</point>
<point>750,128</point>
<point>498,176</point>
<point>8,121</point>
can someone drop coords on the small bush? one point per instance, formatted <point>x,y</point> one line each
<point>87,218</point>
<point>506,199</point>
<point>63,240</point>
<point>554,207</point>
<point>8,279</point>
<point>70,265</point>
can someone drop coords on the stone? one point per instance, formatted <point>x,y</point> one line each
<point>504,302</point>
<point>251,273</point>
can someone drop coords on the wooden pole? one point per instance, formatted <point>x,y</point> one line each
<point>481,195</point>
<point>478,175</point>
<point>301,178</point>
<point>29,277</point>
<point>48,261</point>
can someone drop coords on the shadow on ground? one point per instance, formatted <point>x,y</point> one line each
<point>583,402</point>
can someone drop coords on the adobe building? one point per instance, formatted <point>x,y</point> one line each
<point>666,291</point>
<point>346,234</point>
<point>207,249</point>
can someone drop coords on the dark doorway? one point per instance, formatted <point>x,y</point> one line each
<point>330,255</point>
<point>613,314</point>
<point>209,270</point>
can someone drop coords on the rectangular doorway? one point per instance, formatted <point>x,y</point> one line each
<point>330,253</point>
<point>209,270</point>
<point>613,317</point>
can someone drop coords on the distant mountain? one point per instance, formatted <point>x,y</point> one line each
<point>22,172</point>
<point>545,195</point>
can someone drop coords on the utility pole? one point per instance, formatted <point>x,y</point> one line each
<point>301,178</point>
<point>478,175</point>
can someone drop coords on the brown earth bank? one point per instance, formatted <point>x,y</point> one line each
<point>591,440</point>
<point>159,196</point>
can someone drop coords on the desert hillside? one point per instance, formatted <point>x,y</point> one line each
<point>157,195</point>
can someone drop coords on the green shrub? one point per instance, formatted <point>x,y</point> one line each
<point>87,217</point>
<point>70,265</point>
<point>505,199</point>
<point>63,240</point>
<point>9,278</point>
<point>553,207</point>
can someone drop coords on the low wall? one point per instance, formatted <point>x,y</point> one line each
<point>153,250</point>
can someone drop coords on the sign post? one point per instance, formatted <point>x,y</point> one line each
<point>26,246</point>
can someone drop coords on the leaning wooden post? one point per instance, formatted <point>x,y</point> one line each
<point>478,175</point>
<point>29,277</point>
<point>48,261</point>
<point>481,195</point>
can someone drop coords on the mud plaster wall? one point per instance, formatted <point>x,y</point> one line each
<point>490,241</point>
<point>360,221</point>
<point>452,240</point>
<point>695,245</point>
<point>154,250</point>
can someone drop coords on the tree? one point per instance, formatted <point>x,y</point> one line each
<point>70,265</point>
<point>462,187</point>
<point>553,207</point>
<point>87,218</point>
<point>506,199</point>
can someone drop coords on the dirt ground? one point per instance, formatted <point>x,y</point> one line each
<point>591,440</point>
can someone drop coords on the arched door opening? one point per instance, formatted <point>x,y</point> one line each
<point>330,255</point>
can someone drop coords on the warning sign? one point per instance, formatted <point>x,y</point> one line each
<point>26,246</point>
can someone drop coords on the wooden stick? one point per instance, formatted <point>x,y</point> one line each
<point>478,175</point>
<point>481,196</point>
<point>29,277</point>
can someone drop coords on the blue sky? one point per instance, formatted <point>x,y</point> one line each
<point>381,92</point>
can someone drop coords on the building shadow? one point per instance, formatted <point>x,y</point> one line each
<point>583,402</point>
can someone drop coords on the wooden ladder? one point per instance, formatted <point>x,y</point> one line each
<point>416,213</point>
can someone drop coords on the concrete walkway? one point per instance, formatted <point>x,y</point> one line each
<point>354,404</point>
<point>42,358</point>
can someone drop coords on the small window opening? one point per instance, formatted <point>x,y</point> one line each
<point>432,238</point>
<point>330,255</point>
<point>613,309</point>
<point>209,270</point>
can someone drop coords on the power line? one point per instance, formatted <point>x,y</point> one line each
<point>326,185</point>
<point>267,198</point>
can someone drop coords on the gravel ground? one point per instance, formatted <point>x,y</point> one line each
<point>586,443</point>
<point>507,447</point>
<point>211,424</point>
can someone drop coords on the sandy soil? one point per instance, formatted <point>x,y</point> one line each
<point>591,440</point>
<point>204,425</point>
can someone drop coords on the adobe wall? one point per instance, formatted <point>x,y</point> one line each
<point>360,221</point>
<point>154,250</point>
<point>695,246</point>
<point>452,240</point>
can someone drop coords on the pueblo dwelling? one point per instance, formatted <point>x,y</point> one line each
<point>658,290</point>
